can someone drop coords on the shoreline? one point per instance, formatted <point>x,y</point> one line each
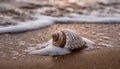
<point>104,57</point>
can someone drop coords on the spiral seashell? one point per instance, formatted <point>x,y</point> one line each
<point>67,38</point>
<point>63,42</point>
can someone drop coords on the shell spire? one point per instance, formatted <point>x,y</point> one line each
<point>59,39</point>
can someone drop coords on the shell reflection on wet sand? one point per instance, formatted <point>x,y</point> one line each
<point>63,42</point>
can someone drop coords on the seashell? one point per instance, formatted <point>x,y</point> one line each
<point>62,42</point>
<point>67,39</point>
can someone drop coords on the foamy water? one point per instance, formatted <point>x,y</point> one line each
<point>49,49</point>
<point>44,21</point>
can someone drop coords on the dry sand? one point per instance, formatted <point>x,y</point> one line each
<point>103,57</point>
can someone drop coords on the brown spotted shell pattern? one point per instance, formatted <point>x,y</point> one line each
<point>67,38</point>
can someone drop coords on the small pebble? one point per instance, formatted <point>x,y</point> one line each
<point>11,43</point>
<point>106,37</point>
<point>14,58</point>
<point>100,39</point>
<point>106,45</point>
<point>15,53</point>
<point>22,43</point>
<point>98,47</point>
<point>22,56</point>
<point>93,32</point>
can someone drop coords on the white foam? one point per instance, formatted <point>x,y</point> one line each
<point>89,43</point>
<point>44,21</point>
<point>50,50</point>
<point>29,25</point>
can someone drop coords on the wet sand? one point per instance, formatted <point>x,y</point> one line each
<point>102,57</point>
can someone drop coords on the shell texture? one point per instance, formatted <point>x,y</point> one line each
<point>68,38</point>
